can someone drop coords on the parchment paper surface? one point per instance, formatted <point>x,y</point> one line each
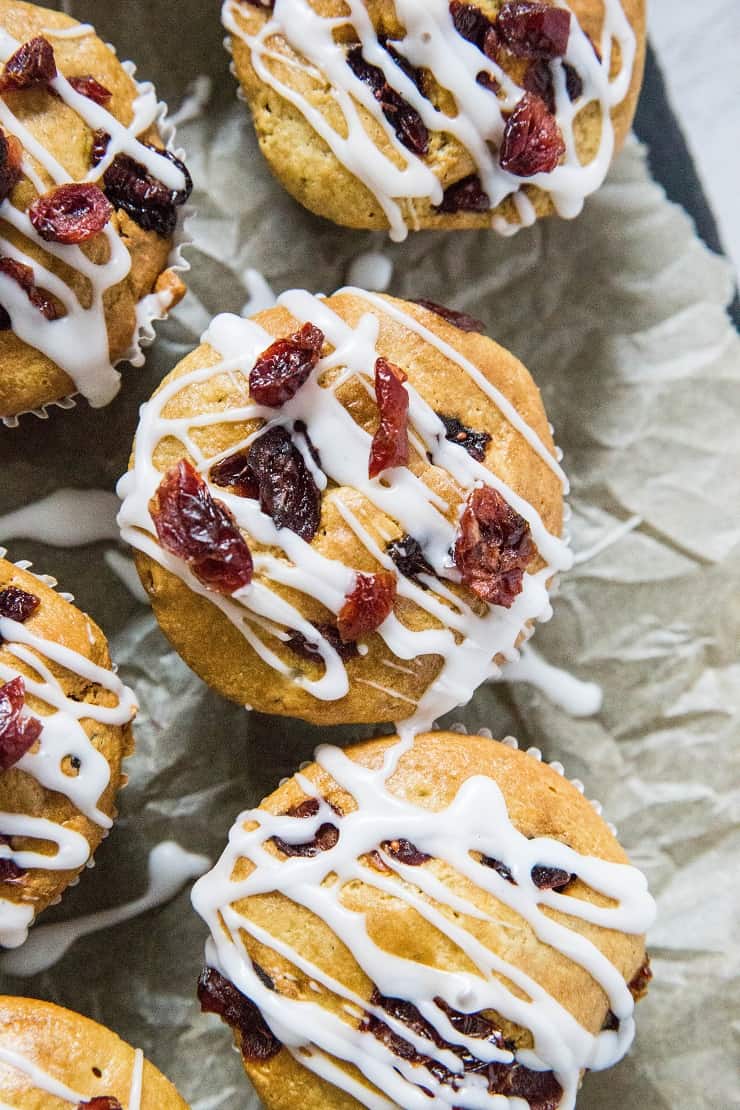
<point>620,316</point>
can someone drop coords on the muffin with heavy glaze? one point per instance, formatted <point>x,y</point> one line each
<point>65,728</point>
<point>91,208</point>
<point>51,1057</point>
<point>395,114</point>
<point>437,923</point>
<point>346,509</point>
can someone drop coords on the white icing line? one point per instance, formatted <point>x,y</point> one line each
<point>578,698</point>
<point>65,518</point>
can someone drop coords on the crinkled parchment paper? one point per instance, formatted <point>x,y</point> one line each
<point>620,316</point>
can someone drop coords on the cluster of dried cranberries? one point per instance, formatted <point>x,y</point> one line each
<point>404,119</point>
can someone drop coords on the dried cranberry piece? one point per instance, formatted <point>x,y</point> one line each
<point>475,443</point>
<point>100,144</point>
<point>234,473</point>
<point>405,852</point>
<point>367,606</point>
<point>493,548</point>
<point>31,66</point>
<point>11,155</point>
<point>17,605</point>
<point>408,556</point>
<point>310,650</point>
<point>92,89</point>
<point>640,982</point>
<point>461,320</point>
<point>195,527</point>
<point>466,195</point>
<point>413,74</point>
<point>281,370</point>
<point>102,1102</point>
<point>473,25</point>
<point>326,837</point>
<point>471,1025</point>
<point>538,80</point>
<point>540,1089</point>
<point>390,446</point>
<point>287,490</point>
<point>10,872</point>
<point>499,867</point>
<point>71,213</point>
<point>532,141</point>
<point>531,30</point>
<point>18,732</point>
<point>573,81</point>
<point>551,878</point>
<point>130,186</point>
<point>403,118</point>
<point>218,995</point>
<point>24,276</point>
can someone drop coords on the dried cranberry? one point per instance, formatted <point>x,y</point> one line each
<point>405,852</point>
<point>390,446</point>
<point>31,66</point>
<point>531,30</point>
<point>550,878</point>
<point>466,195</point>
<point>532,141</point>
<point>473,25</point>
<point>493,548</point>
<point>18,732</point>
<point>461,320</point>
<point>475,443</point>
<point>287,490</point>
<point>367,606</point>
<point>192,525</point>
<point>538,80</point>
<point>488,82</point>
<point>281,370</point>
<point>130,186</point>
<point>70,213</point>
<point>100,144</point>
<point>499,867</point>
<point>413,74</point>
<point>92,89</point>
<point>17,605</point>
<point>10,872</point>
<point>11,155</point>
<point>640,982</point>
<point>24,276</point>
<point>217,995</point>
<point>403,118</point>
<point>408,556</point>
<point>573,81</point>
<point>326,836</point>
<point>234,473</point>
<point>308,649</point>
<point>102,1102</point>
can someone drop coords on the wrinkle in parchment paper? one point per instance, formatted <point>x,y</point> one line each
<point>620,316</point>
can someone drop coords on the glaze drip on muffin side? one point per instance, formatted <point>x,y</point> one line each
<point>485,100</point>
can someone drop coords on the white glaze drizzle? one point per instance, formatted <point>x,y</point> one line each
<point>170,868</point>
<point>62,735</point>
<point>78,341</point>
<point>431,42</point>
<point>371,270</point>
<point>43,1081</point>
<point>477,820</point>
<point>576,697</point>
<point>65,518</point>
<point>344,448</point>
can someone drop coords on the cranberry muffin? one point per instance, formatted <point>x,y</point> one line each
<point>65,728</point>
<point>51,1057</point>
<point>443,921</point>
<point>346,509</point>
<point>402,115</point>
<point>92,204</point>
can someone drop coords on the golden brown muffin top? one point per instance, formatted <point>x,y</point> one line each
<point>451,889</point>
<point>65,727</point>
<point>50,1057</point>
<point>81,246</point>
<point>376,586</point>
<point>404,115</point>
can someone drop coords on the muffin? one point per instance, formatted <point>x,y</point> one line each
<point>92,207</point>
<point>65,728</point>
<point>436,923</point>
<point>346,509</point>
<point>52,1057</point>
<point>460,115</point>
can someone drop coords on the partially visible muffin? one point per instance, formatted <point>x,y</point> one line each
<point>91,209</point>
<point>65,728</point>
<point>397,115</point>
<point>51,1057</point>
<point>448,917</point>
<point>347,509</point>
